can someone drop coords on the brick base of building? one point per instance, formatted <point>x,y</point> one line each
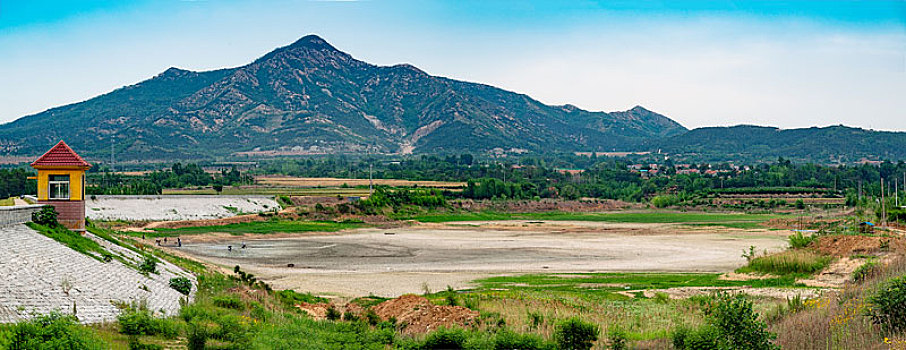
<point>71,214</point>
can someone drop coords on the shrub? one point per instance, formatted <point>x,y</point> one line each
<point>52,331</point>
<point>575,334</point>
<point>664,201</point>
<point>196,336</point>
<point>738,324</point>
<point>227,302</point>
<point>371,317</point>
<point>789,262</point>
<point>181,284</point>
<point>349,316</point>
<point>799,240</point>
<point>506,340</point>
<point>47,216</point>
<point>141,322</point>
<point>888,304</point>
<point>445,338</point>
<point>148,265</point>
<point>332,313</point>
<point>617,338</point>
<point>704,338</point>
<point>732,324</point>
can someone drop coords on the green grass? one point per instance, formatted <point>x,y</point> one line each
<point>790,262</point>
<point>7,202</point>
<point>733,220</point>
<point>261,227</point>
<point>739,225</point>
<point>600,283</point>
<point>73,240</point>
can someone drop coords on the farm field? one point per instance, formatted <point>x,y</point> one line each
<point>264,190</point>
<point>285,181</point>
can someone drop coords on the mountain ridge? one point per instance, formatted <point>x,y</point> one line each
<point>310,97</point>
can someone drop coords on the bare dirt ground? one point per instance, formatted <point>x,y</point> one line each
<point>395,261</point>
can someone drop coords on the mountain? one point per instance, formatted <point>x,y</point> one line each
<point>834,144</point>
<point>309,97</point>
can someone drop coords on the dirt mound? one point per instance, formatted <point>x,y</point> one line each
<point>844,246</point>
<point>318,311</point>
<point>419,315</point>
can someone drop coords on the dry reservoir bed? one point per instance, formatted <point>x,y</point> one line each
<point>390,262</point>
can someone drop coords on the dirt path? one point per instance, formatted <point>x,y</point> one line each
<point>391,262</point>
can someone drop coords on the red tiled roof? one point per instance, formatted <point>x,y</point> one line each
<point>60,155</point>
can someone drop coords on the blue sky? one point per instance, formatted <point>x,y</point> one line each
<point>702,63</point>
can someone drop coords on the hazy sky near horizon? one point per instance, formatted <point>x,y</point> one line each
<point>703,63</point>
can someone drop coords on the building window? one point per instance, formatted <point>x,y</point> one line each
<point>59,187</point>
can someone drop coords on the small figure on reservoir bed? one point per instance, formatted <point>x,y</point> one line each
<point>229,248</point>
<point>179,241</point>
<point>243,245</point>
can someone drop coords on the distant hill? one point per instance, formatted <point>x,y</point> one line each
<point>309,97</point>
<point>757,143</point>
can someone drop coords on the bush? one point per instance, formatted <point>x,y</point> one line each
<point>575,334</point>
<point>196,336</point>
<point>732,324</point>
<point>181,284</point>
<point>141,322</point>
<point>506,340</point>
<point>445,338</point>
<point>617,338</point>
<point>148,265</point>
<point>227,302</point>
<point>664,201</point>
<point>332,313</point>
<point>888,304</point>
<point>47,216</point>
<point>52,331</point>
<point>799,240</point>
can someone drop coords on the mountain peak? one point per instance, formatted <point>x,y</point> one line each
<point>311,41</point>
<point>638,108</point>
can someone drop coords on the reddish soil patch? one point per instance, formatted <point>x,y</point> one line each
<point>844,246</point>
<point>804,223</point>
<point>419,315</point>
<point>318,311</point>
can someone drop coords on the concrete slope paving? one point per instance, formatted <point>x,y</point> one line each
<point>38,275</point>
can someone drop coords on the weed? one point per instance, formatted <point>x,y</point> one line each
<point>799,240</point>
<point>788,262</point>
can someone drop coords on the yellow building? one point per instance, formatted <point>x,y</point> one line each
<point>61,183</point>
